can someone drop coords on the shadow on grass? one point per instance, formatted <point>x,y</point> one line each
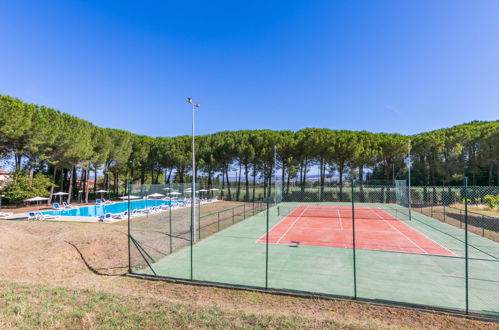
<point>97,271</point>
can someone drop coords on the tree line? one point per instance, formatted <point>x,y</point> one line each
<point>71,151</point>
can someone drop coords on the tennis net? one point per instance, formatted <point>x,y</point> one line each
<point>344,212</point>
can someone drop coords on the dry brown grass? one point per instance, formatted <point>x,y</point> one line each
<point>78,257</point>
<point>483,226</point>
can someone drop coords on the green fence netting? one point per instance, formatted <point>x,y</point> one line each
<point>440,250</point>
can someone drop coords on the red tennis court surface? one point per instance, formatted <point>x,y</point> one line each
<point>331,226</point>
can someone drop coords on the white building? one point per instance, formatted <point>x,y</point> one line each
<point>5,178</point>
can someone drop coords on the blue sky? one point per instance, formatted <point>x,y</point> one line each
<point>393,66</point>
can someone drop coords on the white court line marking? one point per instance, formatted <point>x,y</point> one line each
<point>410,240</point>
<point>341,223</point>
<point>342,231</point>
<point>294,222</point>
<point>277,224</point>
<point>420,233</point>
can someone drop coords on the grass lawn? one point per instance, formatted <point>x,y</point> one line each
<point>71,275</point>
<point>37,306</point>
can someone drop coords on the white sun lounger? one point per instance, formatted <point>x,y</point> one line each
<point>41,216</point>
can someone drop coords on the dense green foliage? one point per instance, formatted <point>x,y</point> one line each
<point>72,151</point>
<point>23,187</point>
<point>491,201</point>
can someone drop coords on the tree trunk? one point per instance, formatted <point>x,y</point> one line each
<point>52,188</point>
<point>322,178</point>
<point>63,179</point>
<point>361,176</point>
<point>341,168</point>
<point>83,174</point>
<point>87,179</point>
<point>75,181</point>
<point>169,175</point>
<point>32,162</point>
<point>491,174</point>
<point>264,181</point>
<point>246,196</point>
<point>228,182</point>
<point>254,181</point>
<point>361,173</point>
<point>288,179</point>
<point>142,175</point>
<point>95,179</point>
<point>70,189</point>
<point>301,176</point>
<point>239,182</point>
<point>116,180</point>
<point>158,173</point>
<point>304,174</point>
<point>18,159</point>
<point>210,184</point>
<point>223,182</point>
<point>106,176</point>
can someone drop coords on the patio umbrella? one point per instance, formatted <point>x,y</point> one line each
<point>60,194</point>
<point>213,190</point>
<point>167,188</point>
<point>175,193</point>
<point>101,192</point>
<point>131,197</point>
<point>37,199</point>
<point>156,195</point>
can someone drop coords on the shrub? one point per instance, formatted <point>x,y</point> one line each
<point>491,201</point>
<point>467,200</point>
<point>22,187</point>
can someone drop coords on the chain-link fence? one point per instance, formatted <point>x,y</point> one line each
<point>437,248</point>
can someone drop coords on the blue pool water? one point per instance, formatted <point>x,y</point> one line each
<point>100,210</point>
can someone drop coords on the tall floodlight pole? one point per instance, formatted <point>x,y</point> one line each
<point>409,177</point>
<point>193,186</point>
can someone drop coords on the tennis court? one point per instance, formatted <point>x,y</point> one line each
<point>310,250</point>
<point>333,226</point>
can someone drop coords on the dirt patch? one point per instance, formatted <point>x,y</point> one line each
<point>93,255</point>
<point>485,226</point>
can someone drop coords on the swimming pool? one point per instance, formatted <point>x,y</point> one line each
<point>100,210</point>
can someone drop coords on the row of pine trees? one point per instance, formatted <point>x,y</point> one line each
<point>71,151</point>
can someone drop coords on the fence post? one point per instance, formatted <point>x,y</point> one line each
<point>128,207</point>
<point>170,216</point>
<point>218,221</point>
<point>444,213</point>
<point>466,239</point>
<point>244,211</point>
<point>483,226</point>
<point>431,210</point>
<point>353,245</point>
<point>192,239</point>
<point>267,248</point>
<point>461,218</point>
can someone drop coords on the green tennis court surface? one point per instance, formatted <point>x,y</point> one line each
<point>237,256</point>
